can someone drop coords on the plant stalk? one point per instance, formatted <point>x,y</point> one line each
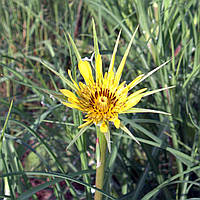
<point>100,169</point>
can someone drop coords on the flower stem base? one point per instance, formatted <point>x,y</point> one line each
<point>100,169</point>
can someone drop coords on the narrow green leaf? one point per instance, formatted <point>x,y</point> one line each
<point>165,183</point>
<point>69,177</point>
<point>35,189</point>
<point>5,124</point>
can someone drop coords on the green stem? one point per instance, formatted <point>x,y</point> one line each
<point>176,146</point>
<point>100,169</point>
<point>81,145</point>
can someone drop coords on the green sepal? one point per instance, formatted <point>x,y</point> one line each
<point>74,48</point>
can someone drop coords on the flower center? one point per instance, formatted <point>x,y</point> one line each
<point>102,103</point>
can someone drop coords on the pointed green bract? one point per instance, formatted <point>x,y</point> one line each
<point>113,55</point>
<point>96,47</point>
<point>74,48</point>
<point>156,91</point>
<point>98,60</point>
<point>107,136</point>
<point>143,110</point>
<point>60,97</point>
<point>151,72</point>
<point>98,153</point>
<point>82,130</point>
<point>121,66</point>
<point>128,132</point>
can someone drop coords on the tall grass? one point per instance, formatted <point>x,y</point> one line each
<point>37,130</point>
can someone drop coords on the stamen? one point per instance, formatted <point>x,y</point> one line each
<point>102,103</point>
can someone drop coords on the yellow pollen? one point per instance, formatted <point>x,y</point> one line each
<point>102,103</point>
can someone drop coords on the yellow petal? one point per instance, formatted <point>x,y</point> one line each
<point>121,66</point>
<point>70,105</point>
<point>120,88</point>
<point>136,93</point>
<point>104,127</point>
<point>132,102</point>
<point>86,71</point>
<point>68,93</point>
<point>110,78</point>
<point>99,74</point>
<point>85,124</point>
<point>70,75</point>
<point>105,80</point>
<point>116,122</point>
<point>134,82</point>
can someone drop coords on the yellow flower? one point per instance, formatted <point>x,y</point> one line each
<point>102,99</point>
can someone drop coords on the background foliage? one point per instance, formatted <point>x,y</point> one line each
<point>34,162</point>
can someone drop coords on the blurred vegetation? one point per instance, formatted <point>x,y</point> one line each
<point>36,131</point>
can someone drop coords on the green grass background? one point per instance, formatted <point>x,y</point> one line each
<point>37,129</point>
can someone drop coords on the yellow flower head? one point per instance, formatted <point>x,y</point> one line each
<point>104,98</point>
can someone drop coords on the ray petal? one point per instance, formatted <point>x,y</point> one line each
<point>136,93</point>
<point>121,66</point>
<point>86,71</point>
<point>104,127</point>
<point>70,105</point>
<point>68,93</point>
<point>132,102</point>
<point>134,82</point>
<point>99,73</point>
<point>116,122</point>
<point>87,123</point>
<point>74,82</point>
